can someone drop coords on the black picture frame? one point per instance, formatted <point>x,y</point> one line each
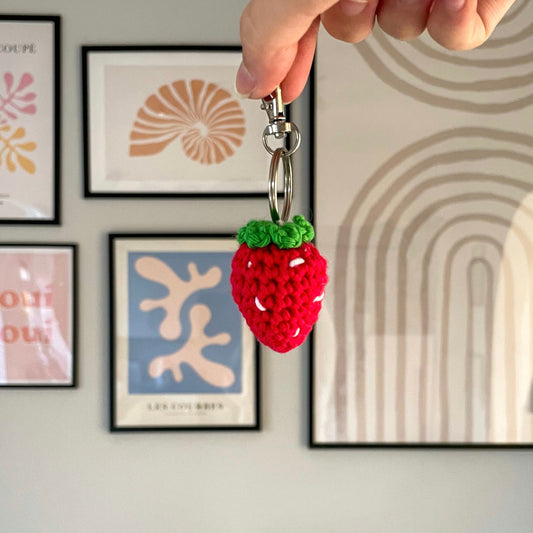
<point>55,135</point>
<point>72,382</point>
<point>179,405</point>
<point>91,190</point>
<point>312,441</point>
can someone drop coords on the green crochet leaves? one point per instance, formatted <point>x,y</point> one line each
<point>261,233</point>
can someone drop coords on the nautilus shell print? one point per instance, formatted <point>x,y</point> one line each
<point>494,78</point>
<point>207,120</point>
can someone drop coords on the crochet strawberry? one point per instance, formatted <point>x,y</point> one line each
<point>278,279</point>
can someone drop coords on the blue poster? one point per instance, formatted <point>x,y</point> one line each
<point>185,331</point>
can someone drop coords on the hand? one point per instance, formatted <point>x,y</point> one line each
<point>279,36</point>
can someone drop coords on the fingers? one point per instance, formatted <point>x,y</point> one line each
<point>350,20</point>
<point>465,24</point>
<point>279,38</point>
<point>296,78</point>
<point>270,34</point>
<point>403,19</point>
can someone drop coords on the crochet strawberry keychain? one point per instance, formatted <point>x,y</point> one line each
<point>278,277</point>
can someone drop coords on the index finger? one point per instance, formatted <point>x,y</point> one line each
<point>273,34</point>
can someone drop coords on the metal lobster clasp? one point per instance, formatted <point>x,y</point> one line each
<point>279,127</point>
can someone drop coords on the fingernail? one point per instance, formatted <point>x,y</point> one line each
<point>352,7</point>
<point>244,82</point>
<point>454,5</point>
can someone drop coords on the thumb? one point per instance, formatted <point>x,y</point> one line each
<point>274,35</point>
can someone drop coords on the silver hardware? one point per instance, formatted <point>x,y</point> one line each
<point>278,126</point>
<point>273,105</point>
<point>283,130</point>
<point>280,153</point>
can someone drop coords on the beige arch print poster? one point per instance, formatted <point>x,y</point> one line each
<point>426,335</point>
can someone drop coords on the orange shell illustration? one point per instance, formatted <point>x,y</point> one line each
<point>208,119</point>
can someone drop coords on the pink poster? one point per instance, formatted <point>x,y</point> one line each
<point>36,315</point>
<point>29,118</point>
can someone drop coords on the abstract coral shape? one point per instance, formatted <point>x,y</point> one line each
<point>10,150</point>
<point>8,80</point>
<point>27,164</point>
<point>213,373</point>
<point>208,119</point>
<point>25,80</point>
<point>178,290</point>
<point>19,133</point>
<point>10,102</point>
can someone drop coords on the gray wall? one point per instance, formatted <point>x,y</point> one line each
<point>62,471</point>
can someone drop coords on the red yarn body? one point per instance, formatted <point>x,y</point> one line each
<point>279,292</point>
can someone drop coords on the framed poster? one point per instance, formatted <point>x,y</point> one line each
<point>29,119</point>
<point>38,315</point>
<point>182,356</point>
<point>164,121</point>
<point>425,335</point>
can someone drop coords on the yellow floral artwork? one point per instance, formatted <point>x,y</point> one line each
<point>11,146</point>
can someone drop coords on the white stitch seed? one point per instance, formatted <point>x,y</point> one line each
<point>319,298</point>
<point>296,262</point>
<point>259,305</point>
